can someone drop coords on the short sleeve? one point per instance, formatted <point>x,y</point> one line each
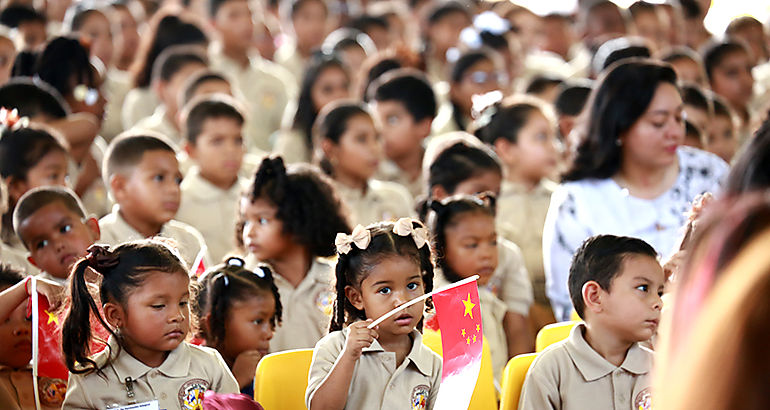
<point>516,286</point>
<point>77,396</point>
<point>223,380</point>
<point>325,354</point>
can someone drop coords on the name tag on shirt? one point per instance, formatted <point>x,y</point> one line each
<point>148,405</point>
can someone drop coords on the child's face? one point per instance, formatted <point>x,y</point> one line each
<point>155,318</point>
<point>51,170</point>
<point>218,151</point>
<point>212,87</point>
<point>128,34</point>
<point>331,85</point>
<point>401,135</point>
<point>169,90</point>
<point>33,35</point>
<point>150,192</point>
<point>310,24</point>
<point>487,181</point>
<point>631,307</point>
<point>97,29</point>
<point>534,155</point>
<point>358,153</point>
<point>732,79</point>
<point>263,234</point>
<point>248,326</point>
<point>7,55</point>
<point>445,33</point>
<point>234,23</point>
<point>392,282</point>
<point>16,334</point>
<point>688,71</point>
<point>471,246</point>
<point>56,237</point>
<point>480,78</point>
<point>698,117</point>
<point>722,139</point>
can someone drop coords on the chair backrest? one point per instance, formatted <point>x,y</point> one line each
<point>553,333</point>
<point>281,379</point>
<point>513,379</point>
<point>484,394</point>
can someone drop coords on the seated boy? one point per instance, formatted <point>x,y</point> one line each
<point>143,175</point>
<point>211,189</point>
<point>52,224</point>
<point>615,284</point>
<point>406,105</point>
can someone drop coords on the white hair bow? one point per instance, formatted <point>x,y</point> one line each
<point>360,237</point>
<point>404,227</point>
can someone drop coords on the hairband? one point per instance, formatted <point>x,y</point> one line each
<point>361,236</point>
<point>10,119</point>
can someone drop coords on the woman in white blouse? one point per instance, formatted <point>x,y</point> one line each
<point>631,175</point>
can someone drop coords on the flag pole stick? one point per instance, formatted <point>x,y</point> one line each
<point>420,299</point>
<point>35,337</point>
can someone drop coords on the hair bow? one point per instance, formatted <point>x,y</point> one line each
<point>360,237</point>
<point>99,257</point>
<point>10,119</point>
<point>405,227</point>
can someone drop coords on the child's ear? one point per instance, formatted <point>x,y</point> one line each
<point>354,296</point>
<point>424,127</point>
<point>16,188</point>
<point>93,225</point>
<point>114,314</point>
<point>328,148</point>
<point>505,150</point>
<point>592,296</point>
<point>117,185</point>
<point>31,260</point>
<point>189,148</point>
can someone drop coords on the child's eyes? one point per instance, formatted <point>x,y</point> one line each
<point>42,244</point>
<point>263,221</point>
<point>258,321</point>
<point>158,178</point>
<point>178,180</point>
<point>412,286</point>
<point>157,306</point>
<point>384,291</point>
<point>183,303</point>
<point>392,119</point>
<point>643,288</point>
<point>65,228</point>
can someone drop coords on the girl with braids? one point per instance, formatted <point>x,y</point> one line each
<point>379,268</point>
<point>143,294</point>
<point>466,244</point>
<point>288,219</point>
<point>237,311</point>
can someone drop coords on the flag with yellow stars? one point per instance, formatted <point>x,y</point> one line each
<point>47,333</point>
<point>458,313</point>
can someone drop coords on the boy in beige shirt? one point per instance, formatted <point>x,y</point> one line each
<point>615,284</point>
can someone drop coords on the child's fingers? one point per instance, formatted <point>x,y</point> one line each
<point>374,333</point>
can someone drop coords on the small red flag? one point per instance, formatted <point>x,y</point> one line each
<point>199,266</point>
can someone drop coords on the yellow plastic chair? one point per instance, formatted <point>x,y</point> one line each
<point>513,380</point>
<point>484,395</point>
<point>281,379</point>
<point>553,333</point>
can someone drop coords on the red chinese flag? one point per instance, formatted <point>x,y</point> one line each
<point>459,319</point>
<point>199,266</point>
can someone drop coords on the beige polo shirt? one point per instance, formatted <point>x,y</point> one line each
<point>139,103</point>
<point>520,219</point>
<point>571,375</point>
<point>187,372</point>
<point>115,231</point>
<point>16,256</point>
<point>306,308</point>
<point>377,383</point>
<point>288,57</point>
<point>389,171</point>
<point>292,146</point>
<point>18,392</point>
<point>265,87</point>
<point>381,201</point>
<point>211,210</point>
<point>159,123</point>
<point>95,199</point>
<point>510,281</point>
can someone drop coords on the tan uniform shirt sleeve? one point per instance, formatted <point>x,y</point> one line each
<point>325,354</point>
<point>540,390</point>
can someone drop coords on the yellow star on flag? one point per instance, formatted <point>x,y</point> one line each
<point>478,328</point>
<point>463,332</point>
<point>52,318</point>
<point>474,338</point>
<point>468,340</point>
<point>468,307</point>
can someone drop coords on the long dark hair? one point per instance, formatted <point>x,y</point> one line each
<point>63,60</point>
<point>750,171</point>
<point>620,99</point>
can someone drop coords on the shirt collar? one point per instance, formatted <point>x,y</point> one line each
<point>123,226</point>
<point>201,188</point>
<point>420,354</point>
<point>593,366</point>
<point>177,363</point>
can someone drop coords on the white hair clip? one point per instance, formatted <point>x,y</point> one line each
<point>404,227</point>
<point>360,237</point>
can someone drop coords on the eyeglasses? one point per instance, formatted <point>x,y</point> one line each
<point>484,77</point>
<point>85,94</point>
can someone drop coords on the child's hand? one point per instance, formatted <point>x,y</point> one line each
<point>359,337</point>
<point>51,290</point>
<point>245,366</point>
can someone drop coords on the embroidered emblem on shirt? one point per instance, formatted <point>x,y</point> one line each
<point>420,397</point>
<point>325,300</point>
<point>52,391</point>
<point>643,400</point>
<point>191,394</point>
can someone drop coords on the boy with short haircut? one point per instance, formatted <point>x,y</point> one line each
<point>405,104</point>
<point>169,73</point>
<point>143,175</point>
<point>52,224</point>
<point>211,189</point>
<point>266,85</point>
<point>615,284</point>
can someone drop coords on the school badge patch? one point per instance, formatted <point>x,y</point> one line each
<point>420,397</point>
<point>51,391</point>
<point>191,394</point>
<point>643,400</point>
<point>325,300</point>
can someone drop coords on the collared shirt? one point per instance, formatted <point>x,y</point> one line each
<point>266,88</point>
<point>510,281</point>
<point>306,308</point>
<point>159,123</point>
<point>380,201</point>
<point>16,256</point>
<point>389,171</point>
<point>95,199</point>
<point>211,210</point>
<point>115,231</point>
<point>520,219</point>
<point>571,375</point>
<point>292,145</point>
<point>377,383</point>
<point>116,85</point>
<point>178,383</point>
<point>289,58</point>
<point>18,392</point>
<point>139,103</point>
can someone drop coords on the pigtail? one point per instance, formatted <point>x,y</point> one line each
<point>218,306</point>
<point>278,318</point>
<point>271,176</point>
<point>341,301</point>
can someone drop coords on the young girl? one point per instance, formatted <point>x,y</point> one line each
<point>288,220</point>
<point>523,134</point>
<point>350,152</point>
<point>237,311</point>
<point>143,295</point>
<point>379,268</point>
<point>465,242</point>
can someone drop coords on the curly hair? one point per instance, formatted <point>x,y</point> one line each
<point>305,201</point>
<point>353,267</point>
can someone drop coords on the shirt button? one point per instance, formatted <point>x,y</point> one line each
<point>163,396</point>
